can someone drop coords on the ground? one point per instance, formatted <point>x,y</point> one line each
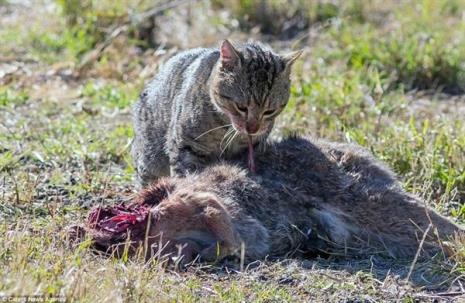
<point>383,74</point>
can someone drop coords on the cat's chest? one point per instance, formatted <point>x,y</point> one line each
<point>225,142</point>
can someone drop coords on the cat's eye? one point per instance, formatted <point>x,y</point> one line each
<point>269,112</point>
<point>242,109</point>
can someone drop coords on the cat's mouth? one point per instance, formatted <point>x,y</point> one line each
<point>243,130</point>
<point>250,141</point>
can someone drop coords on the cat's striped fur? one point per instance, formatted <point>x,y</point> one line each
<point>203,103</point>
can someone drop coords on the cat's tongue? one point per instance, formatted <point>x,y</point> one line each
<point>250,159</point>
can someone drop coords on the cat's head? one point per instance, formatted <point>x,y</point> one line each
<point>251,85</point>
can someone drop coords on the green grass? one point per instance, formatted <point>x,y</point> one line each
<point>64,143</point>
<point>11,98</point>
<point>109,96</point>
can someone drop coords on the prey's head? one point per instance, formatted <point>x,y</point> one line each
<point>192,224</point>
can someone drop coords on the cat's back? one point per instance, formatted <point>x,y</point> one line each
<point>174,73</point>
<point>169,77</point>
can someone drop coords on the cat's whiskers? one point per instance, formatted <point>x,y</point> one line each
<point>210,130</point>
<point>231,139</point>
<point>262,142</point>
<point>226,136</point>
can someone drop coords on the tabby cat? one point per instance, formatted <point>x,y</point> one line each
<point>208,104</point>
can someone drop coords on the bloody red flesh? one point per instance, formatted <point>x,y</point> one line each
<point>119,218</point>
<point>112,227</point>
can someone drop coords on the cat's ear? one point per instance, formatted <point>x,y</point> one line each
<point>229,56</point>
<point>290,58</point>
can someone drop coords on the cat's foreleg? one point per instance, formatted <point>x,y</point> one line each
<point>185,160</point>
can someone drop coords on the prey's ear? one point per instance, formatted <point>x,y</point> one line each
<point>229,56</point>
<point>290,58</point>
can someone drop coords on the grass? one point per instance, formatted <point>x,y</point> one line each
<point>383,74</point>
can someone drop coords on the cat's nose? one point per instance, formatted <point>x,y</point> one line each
<point>252,128</point>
